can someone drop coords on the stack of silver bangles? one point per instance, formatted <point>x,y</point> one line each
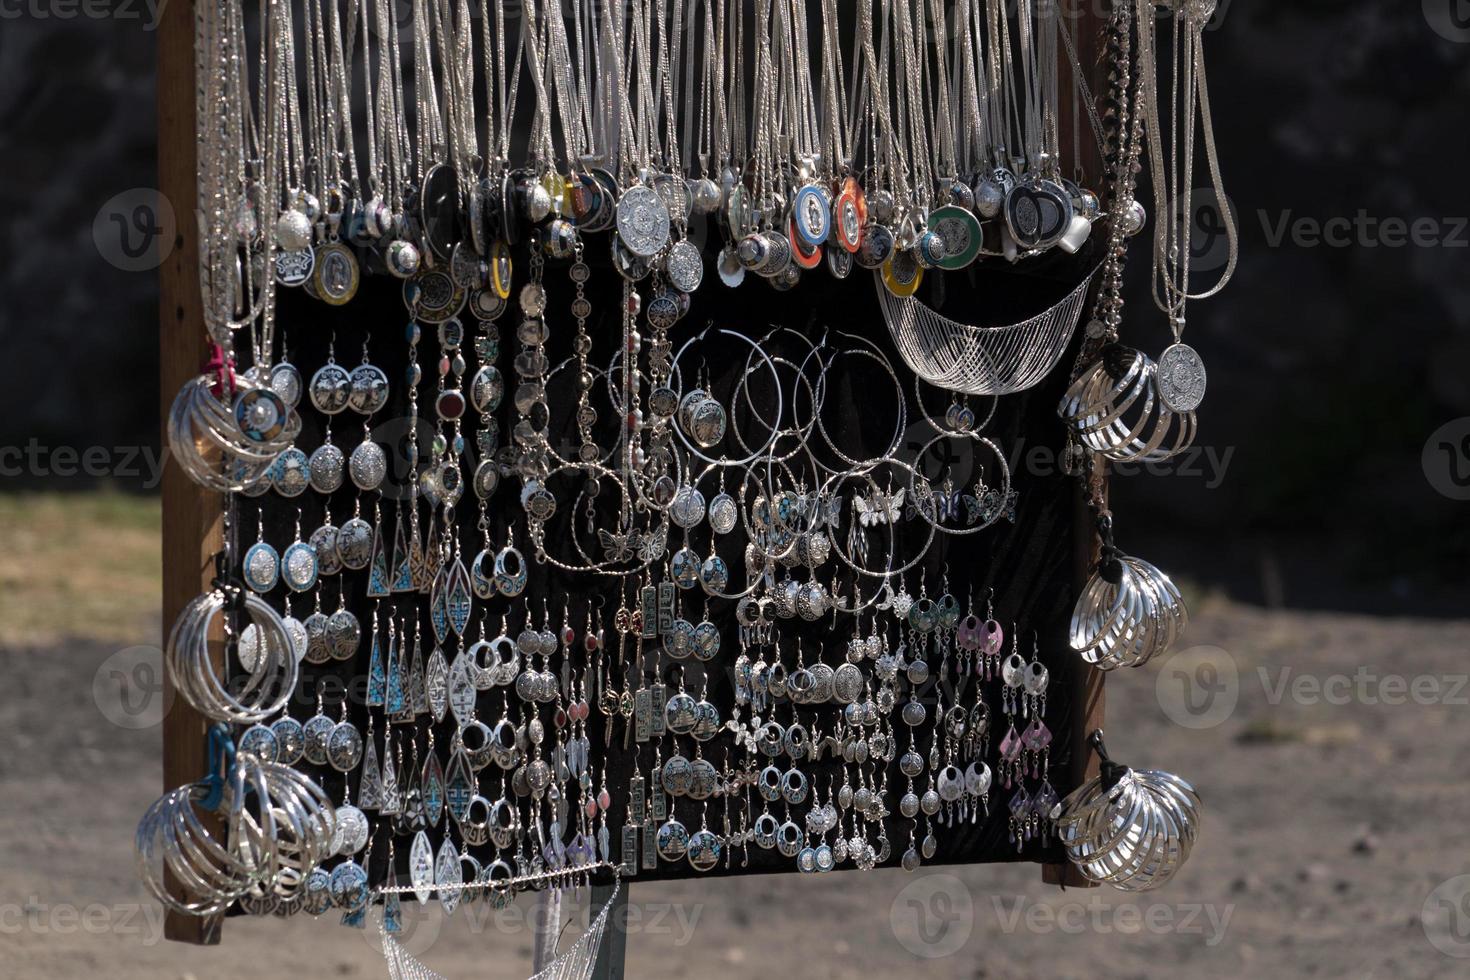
<point>1125,622</point>
<point>228,444</point>
<point>278,826</point>
<point>1114,408</point>
<point>1130,828</point>
<point>271,679</point>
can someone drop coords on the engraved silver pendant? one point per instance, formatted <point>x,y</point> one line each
<point>344,747</point>
<point>684,266</point>
<point>643,221</point>
<point>434,297</point>
<point>723,513</point>
<point>1181,378</point>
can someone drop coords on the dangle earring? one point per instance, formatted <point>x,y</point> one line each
<point>370,785</point>
<point>262,566</point>
<point>392,904</point>
<point>390,803</point>
<point>344,744</point>
<point>324,542</point>
<point>298,563</point>
<point>290,739</point>
<point>394,696</point>
<point>343,632</point>
<point>377,689</point>
<point>326,465</point>
<point>992,637</point>
<point>1013,675</point>
<point>316,732</point>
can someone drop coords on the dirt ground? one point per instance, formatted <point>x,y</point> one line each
<point>1324,746</point>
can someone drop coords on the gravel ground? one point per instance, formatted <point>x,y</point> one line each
<point>1323,745</point>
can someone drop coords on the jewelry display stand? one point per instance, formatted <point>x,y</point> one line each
<point>1036,565</point>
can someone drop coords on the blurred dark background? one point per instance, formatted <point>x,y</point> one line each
<point>1333,461</point>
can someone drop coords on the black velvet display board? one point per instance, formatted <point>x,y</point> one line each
<point>1028,563</point>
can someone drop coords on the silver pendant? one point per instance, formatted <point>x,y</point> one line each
<point>1181,378</point>
<point>643,221</point>
<point>684,266</point>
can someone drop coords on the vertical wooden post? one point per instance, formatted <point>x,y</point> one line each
<point>191,515</point>
<point>1085,20</point>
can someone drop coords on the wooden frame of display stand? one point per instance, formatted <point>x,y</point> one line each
<point>192,526</point>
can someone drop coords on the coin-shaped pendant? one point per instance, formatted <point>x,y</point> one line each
<point>290,740</point>
<point>486,305</point>
<point>344,747</point>
<point>1181,378</point>
<point>643,221</point>
<point>294,268</point>
<point>261,414</point>
<point>704,850</point>
<point>687,510</point>
<point>344,633</point>
<point>902,274</point>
